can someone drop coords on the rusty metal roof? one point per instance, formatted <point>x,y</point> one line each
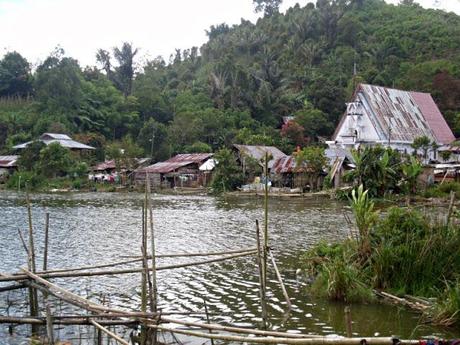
<point>401,115</point>
<point>8,161</point>
<point>434,117</point>
<point>283,165</point>
<point>258,152</point>
<point>176,162</point>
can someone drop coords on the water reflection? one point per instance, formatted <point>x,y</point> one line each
<point>98,228</point>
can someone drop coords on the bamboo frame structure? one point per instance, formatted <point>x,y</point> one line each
<point>101,317</point>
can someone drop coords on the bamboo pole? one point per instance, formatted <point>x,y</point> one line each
<point>279,340</point>
<point>20,277</point>
<point>262,288</point>
<point>49,325</point>
<point>109,333</point>
<point>280,280</point>
<point>207,318</point>
<point>154,296</point>
<point>265,251</point>
<point>58,321</point>
<point>233,329</point>
<point>141,258</point>
<point>33,296</point>
<point>45,252</point>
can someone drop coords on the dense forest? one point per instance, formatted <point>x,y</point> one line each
<point>237,87</point>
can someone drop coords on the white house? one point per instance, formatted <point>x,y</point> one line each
<point>392,118</point>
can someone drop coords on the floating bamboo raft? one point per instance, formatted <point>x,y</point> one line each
<point>149,320</point>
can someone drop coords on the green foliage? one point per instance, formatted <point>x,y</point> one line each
<point>30,156</point>
<point>55,160</point>
<point>25,180</point>
<point>446,311</point>
<point>365,216</point>
<point>237,86</point>
<point>227,175</point>
<point>15,78</point>
<point>198,147</point>
<point>384,170</point>
<point>124,153</point>
<point>410,255</point>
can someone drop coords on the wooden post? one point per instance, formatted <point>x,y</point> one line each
<point>451,206</point>
<point>280,280</point>
<point>348,321</point>
<point>45,253</point>
<point>265,249</point>
<point>154,291</point>
<point>33,296</point>
<point>49,325</point>
<point>207,319</point>
<point>262,286</point>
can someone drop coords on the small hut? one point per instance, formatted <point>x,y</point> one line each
<point>182,170</point>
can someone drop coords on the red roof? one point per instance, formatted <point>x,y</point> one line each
<point>286,164</point>
<point>434,117</point>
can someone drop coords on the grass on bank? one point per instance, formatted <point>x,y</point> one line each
<point>402,253</point>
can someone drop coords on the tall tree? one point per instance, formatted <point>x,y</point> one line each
<point>125,69</point>
<point>269,7</point>
<point>15,78</point>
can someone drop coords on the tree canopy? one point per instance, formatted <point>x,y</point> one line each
<point>238,86</point>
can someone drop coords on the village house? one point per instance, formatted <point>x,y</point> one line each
<point>256,153</point>
<point>8,165</point>
<point>62,139</point>
<point>182,170</point>
<point>108,170</point>
<point>392,118</point>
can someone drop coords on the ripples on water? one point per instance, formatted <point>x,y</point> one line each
<point>98,228</point>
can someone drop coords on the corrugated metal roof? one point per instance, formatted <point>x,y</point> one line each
<point>190,157</point>
<point>110,164</point>
<point>62,139</point>
<point>48,136</point>
<point>8,161</point>
<point>401,115</point>
<point>434,117</point>
<point>333,153</point>
<point>283,165</point>
<point>105,165</point>
<point>176,162</point>
<point>258,152</point>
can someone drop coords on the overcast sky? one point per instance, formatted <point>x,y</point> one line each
<point>157,27</point>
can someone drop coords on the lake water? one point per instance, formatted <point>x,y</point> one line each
<point>98,228</point>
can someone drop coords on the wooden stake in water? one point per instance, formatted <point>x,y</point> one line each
<point>348,321</point>
<point>33,296</point>
<point>207,319</point>
<point>45,252</point>
<point>262,286</point>
<point>49,325</point>
<point>266,220</point>
<point>154,291</point>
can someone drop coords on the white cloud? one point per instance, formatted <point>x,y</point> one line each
<point>35,27</point>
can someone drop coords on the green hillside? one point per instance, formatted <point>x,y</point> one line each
<point>237,87</point>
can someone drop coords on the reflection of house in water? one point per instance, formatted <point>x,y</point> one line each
<point>8,165</point>
<point>182,170</point>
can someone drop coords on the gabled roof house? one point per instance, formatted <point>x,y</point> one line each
<point>390,117</point>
